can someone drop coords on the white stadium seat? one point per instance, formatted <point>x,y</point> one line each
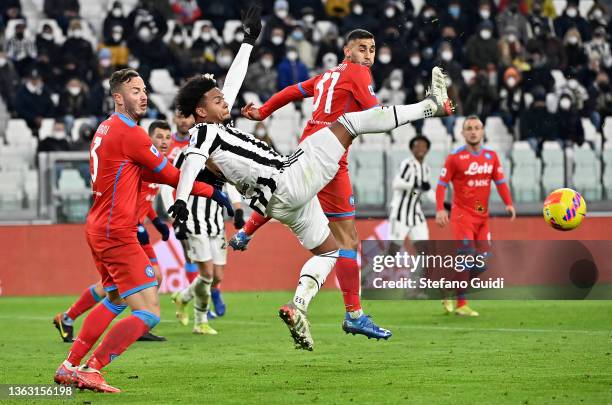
<point>11,194</point>
<point>553,158</point>
<point>229,29</point>
<point>587,173</point>
<point>18,132</point>
<point>162,82</point>
<point>526,172</point>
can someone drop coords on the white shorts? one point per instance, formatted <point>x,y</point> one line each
<point>202,248</point>
<point>295,202</point>
<point>399,231</point>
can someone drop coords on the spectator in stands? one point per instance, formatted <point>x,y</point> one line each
<point>115,17</point>
<point>56,141</point>
<point>329,61</point>
<point>21,49</point>
<point>481,49</point>
<point>101,104</point>
<point>415,70</point>
<point>569,122</point>
<point>571,18</point>
<point>224,59</point>
<point>280,19</point>
<point>291,70</point>
<point>117,45</point>
<point>308,22</point>
<point>539,73</point>
<point>9,81</point>
<point>62,11</point>
<point>449,36</point>
<point>574,50</point>
<point>105,64</point>
<point>304,48</point>
<point>83,142</point>
<point>511,18</point>
<point>276,44</point>
<point>598,15</point>
<point>511,101</point>
<point>426,25</point>
<point>45,43</point>
<point>262,77</point>
<point>577,92</point>
<point>486,12</point>
<point>236,40</point>
<point>389,16</point>
<point>33,101</point>
<point>553,48</point>
<point>299,8</point>
<point>77,53</point>
<point>481,97</point>
<point>186,11</point>
<point>358,19</point>
<point>73,102</point>
<point>9,10</point>
<point>537,124</point>
<point>601,46</point>
<point>206,46</point>
<point>538,17</point>
<point>454,17</point>
<point>218,11</point>
<point>456,87</point>
<point>181,54</point>
<point>383,66</point>
<point>261,133</point>
<point>392,89</point>
<point>151,51</point>
<point>329,44</point>
<point>599,103</point>
<point>146,13</point>
<point>511,49</point>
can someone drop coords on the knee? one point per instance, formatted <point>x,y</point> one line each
<point>149,318</point>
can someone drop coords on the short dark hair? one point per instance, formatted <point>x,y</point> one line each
<point>192,91</point>
<point>419,138</point>
<point>121,76</point>
<point>358,34</point>
<point>158,124</point>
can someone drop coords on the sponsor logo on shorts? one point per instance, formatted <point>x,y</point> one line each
<point>352,200</point>
<point>149,271</point>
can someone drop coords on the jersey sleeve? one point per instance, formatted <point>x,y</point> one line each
<point>363,91</point>
<point>138,147</point>
<point>500,181</point>
<point>151,213</point>
<point>291,93</point>
<point>202,139</point>
<point>446,177</point>
<point>404,179</point>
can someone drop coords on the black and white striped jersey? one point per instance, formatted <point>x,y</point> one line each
<point>249,164</point>
<point>406,201</point>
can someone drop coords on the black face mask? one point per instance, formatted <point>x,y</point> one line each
<point>19,35</point>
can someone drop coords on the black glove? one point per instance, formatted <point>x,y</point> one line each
<point>162,228</point>
<point>447,206</point>
<point>251,23</point>
<point>425,186</point>
<point>179,211</point>
<point>221,198</point>
<point>180,230</point>
<point>142,235</point>
<point>239,218</point>
<point>207,176</point>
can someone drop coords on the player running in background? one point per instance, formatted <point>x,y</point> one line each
<point>159,132</point>
<point>121,157</point>
<point>471,169</point>
<point>204,232</point>
<point>285,187</point>
<point>344,88</point>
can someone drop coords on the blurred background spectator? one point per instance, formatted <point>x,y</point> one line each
<point>33,101</point>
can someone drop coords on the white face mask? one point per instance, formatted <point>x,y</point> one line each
<point>116,36</point>
<point>565,103</point>
<point>134,64</point>
<point>74,90</point>
<point>117,12</point>
<point>485,13</point>
<point>511,82</point>
<point>105,62</point>
<point>384,58</point>
<point>145,34</point>
<point>76,33</point>
<point>329,61</point>
<point>206,36</point>
<point>239,37</point>
<point>224,61</point>
<point>572,40</point>
<point>419,88</point>
<point>485,34</point>
<point>277,40</point>
<point>59,134</point>
<point>395,84</point>
<point>292,56</point>
<point>47,35</point>
<point>260,132</point>
<point>429,13</point>
<point>33,88</point>
<point>572,84</point>
<point>415,60</point>
<point>597,14</point>
<point>267,63</point>
<point>308,18</point>
<point>390,12</point>
<point>447,55</point>
<point>177,39</point>
<point>2,61</point>
<point>511,38</point>
<point>282,13</point>
<point>358,9</point>
<point>106,84</point>
<point>571,12</point>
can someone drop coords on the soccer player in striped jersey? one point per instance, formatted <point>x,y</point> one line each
<point>204,232</point>
<point>285,187</point>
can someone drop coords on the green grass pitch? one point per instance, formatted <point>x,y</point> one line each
<point>518,352</point>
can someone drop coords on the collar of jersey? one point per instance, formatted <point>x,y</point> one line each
<point>125,119</point>
<point>178,137</point>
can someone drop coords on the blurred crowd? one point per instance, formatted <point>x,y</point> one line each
<point>540,69</point>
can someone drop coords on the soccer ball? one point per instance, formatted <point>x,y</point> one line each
<point>564,209</point>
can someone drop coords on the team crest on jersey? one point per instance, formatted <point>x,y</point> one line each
<point>149,271</point>
<point>371,90</point>
<point>488,155</point>
<point>154,150</point>
<point>352,200</point>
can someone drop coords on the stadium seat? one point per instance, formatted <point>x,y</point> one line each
<point>559,77</point>
<point>11,194</point>
<point>607,129</point>
<point>525,174</point>
<point>74,134</point>
<point>367,176</point>
<point>251,97</point>
<point>553,159</point>
<point>282,131</point>
<point>402,136</point>
<point>12,160</point>
<point>607,175</point>
<point>46,128</point>
<point>245,125</point>
<point>229,29</point>
<point>146,122</point>
<point>435,130</point>
<point>70,181</point>
<point>507,166</point>
<point>591,134</point>
<point>587,173</point>
<point>18,132</point>
<point>30,186</point>
<point>162,82</point>
<point>323,26</point>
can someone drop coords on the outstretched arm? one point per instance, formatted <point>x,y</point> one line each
<point>287,95</point>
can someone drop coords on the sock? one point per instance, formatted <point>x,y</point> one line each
<point>191,271</point>
<point>313,275</point>
<point>201,304</point>
<point>94,325</point>
<point>121,336</point>
<point>347,272</point>
<point>87,300</point>
<point>386,118</point>
<point>461,300</point>
<point>254,222</point>
<point>187,294</point>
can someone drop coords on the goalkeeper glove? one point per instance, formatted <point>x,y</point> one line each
<point>179,211</point>
<point>221,198</point>
<point>251,24</point>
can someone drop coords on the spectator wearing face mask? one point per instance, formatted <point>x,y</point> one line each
<point>598,16</point>
<point>449,36</point>
<point>358,19</point>
<point>540,18</point>
<point>236,40</point>
<point>392,90</point>
<point>181,54</point>
<point>330,43</point>
<point>261,133</point>
<point>426,25</point>
<point>20,49</point>
<point>481,96</point>
<point>101,103</point>
<point>539,73</point>
<point>537,124</point>
<point>218,11</point>
<point>261,77</point>
<point>9,10</point>
<point>206,46</point>
<point>146,12</point>
<point>599,103</point>
<point>511,49</point>
<point>33,101</point>
<point>186,11</point>
<point>62,11</point>
<point>77,55</point>
<point>280,18</point>
<point>574,50</point>
<point>569,122</point>
<point>291,70</point>
<point>224,59</point>
<point>551,46</point>
<point>482,51</point>
<point>383,67</point>
<point>45,43</point>
<point>114,18</point>
<point>311,32</point>
<point>455,17</point>
<point>73,102</point>
<point>56,141</point>
<point>117,45</point>
<point>276,44</point>
<point>329,61</point>
<point>9,81</point>
<point>511,17</point>
<point>486,12</point>
<point>389,15</point>
<point>304,48</point>
<point>150,50</point>
<point>511,101</point>
<point>571,18</point>
<point>601,46</point>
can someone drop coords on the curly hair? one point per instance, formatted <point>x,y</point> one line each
<point>192,91</point>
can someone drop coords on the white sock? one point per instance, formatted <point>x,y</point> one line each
<point>313,275</point>
<point>187,294</point>
<point>201,292</point>
<point>386,118</point>
<point>355,314</point>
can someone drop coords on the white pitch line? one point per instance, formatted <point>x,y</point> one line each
<point>336,325</point>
